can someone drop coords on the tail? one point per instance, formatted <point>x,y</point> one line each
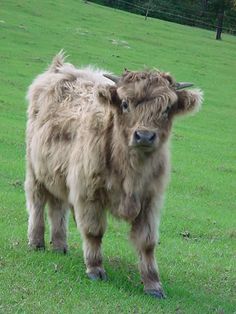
<point>57,62</point>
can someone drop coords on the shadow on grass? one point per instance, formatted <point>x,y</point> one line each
<point>123,276</point>
<point>50,269</point>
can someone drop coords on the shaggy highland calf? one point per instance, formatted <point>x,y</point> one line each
<point>98,144</point>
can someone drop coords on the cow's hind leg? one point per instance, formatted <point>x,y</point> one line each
<point>91,219</point>
<point>36,199</point>
<point>58,215</point>
<point>143,235</point>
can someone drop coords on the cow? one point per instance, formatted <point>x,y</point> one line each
<point>98,143</point>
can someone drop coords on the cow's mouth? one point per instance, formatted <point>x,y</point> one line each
<point>143,148</point>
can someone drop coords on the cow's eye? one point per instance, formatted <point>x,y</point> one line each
<point>125,106</point>
<point>166,112</point>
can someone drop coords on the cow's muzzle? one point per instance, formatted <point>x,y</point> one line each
<point>144,138</point>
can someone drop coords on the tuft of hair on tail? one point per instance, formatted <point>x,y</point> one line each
<point>58,61</point>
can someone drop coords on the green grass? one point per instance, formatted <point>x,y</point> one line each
<point>198,273</point>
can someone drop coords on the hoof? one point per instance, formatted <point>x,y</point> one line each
<point>60,250</point>
<point>159,294</point>
<point>37,246</point>
<point>97,274</point>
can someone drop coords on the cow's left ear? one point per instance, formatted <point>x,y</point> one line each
<point>188,101</point>
<point>108,96</point>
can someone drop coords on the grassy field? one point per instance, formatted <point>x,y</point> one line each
<point>198,272</point>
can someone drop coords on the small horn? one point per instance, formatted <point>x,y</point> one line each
<point>181,85</point>
<point>113,78</point>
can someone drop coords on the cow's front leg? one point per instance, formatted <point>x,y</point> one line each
<point>143,235</point>
<point>91,219</point>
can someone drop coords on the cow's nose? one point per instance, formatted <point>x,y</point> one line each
<point>144,137</point>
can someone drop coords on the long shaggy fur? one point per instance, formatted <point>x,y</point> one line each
<point>81,155</point>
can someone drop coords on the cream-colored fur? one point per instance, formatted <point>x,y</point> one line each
<point>80,155</point>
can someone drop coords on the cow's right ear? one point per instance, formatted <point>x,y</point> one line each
<point>108,96</point>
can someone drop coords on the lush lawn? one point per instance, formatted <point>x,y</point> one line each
<point>198,272</point>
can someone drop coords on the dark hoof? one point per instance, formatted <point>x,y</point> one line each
<point>97,274</point>
<point>60,250</point>
<point>159,294</point>
<point>37,246</point>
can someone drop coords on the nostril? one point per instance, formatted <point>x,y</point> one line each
<point>152,137</point>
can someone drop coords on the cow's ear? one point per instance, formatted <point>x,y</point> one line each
<point>108,96</point>
<point>188,101</point>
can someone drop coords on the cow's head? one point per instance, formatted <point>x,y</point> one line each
<point>145,104</point>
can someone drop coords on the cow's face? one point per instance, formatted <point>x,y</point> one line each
<point>145,104</point>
